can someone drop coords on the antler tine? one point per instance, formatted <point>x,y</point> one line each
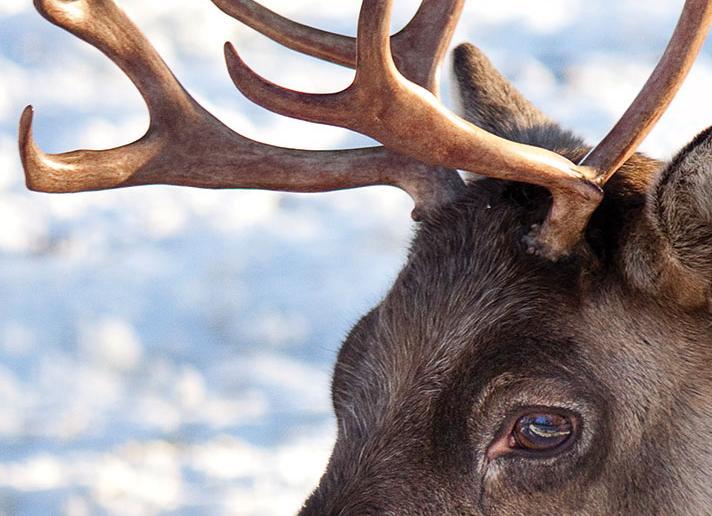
<point>321,44</point>
<point>418,48</point>
<point>384,105</point>
<point>657,93</point>
<point>186,145</point>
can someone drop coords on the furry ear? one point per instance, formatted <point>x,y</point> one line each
<point>490,102</point>
<point>673,252</point>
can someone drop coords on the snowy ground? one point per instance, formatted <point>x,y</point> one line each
<point>167,350</point>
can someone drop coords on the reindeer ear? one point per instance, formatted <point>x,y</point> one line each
<point>681,207</point>
<point>669,251</point>
<point>491,102</point>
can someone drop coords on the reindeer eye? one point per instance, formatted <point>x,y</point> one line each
<point>542,432</point>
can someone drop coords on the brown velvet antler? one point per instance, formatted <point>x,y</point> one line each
<point>186,145</point>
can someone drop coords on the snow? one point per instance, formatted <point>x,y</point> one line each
<point>167,350</point>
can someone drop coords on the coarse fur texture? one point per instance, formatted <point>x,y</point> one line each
<point>475,330</point>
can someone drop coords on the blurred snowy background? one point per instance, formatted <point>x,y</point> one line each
<point>167,350</point>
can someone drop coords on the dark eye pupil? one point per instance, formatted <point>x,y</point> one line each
<point>542,431</point>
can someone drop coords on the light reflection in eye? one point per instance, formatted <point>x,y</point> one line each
<point>541,432</point>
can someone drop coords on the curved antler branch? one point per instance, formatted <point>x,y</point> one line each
<point>321,44</point>
<point>186,145</point>
<point>330,108</point>
<point>418,49</point>
<point>657,93</point>
<point>374,60</point>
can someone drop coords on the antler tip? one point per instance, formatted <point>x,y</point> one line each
<point>243,77</point>
<point>56,11</point>
<point>232,58</point>
<point>29,153</point>
<point>25,140</point>
<point>26,122</point>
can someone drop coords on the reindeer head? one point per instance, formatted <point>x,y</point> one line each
<point>491,381</point>
<point>546,348</point>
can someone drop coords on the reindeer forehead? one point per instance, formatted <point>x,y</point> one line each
<point>469,290</point>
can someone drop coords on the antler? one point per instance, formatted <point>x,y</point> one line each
<point>383,104</point>
<point>186,145</point>
<point>657,93</point>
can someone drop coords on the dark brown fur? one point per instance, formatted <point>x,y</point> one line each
<point>475,328</point>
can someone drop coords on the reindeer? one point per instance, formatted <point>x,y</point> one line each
<point>547,348</point>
